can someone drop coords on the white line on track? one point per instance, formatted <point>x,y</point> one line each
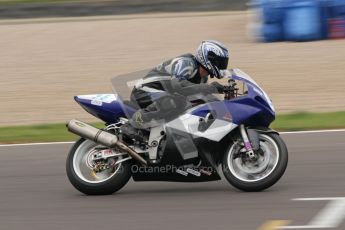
<point>319,198</point>
<point>70,142</point>
<point>314,131</point>
<point>331,216</point>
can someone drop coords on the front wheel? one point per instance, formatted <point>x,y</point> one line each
<point>96,177</point>
<point>262,171</point>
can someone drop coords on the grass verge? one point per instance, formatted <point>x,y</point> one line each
<point>58,132</point>
<point>309,121</point>
<point>13,2</point>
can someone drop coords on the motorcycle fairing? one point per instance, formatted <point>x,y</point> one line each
<point>171,159</point>
<point>190,123</point>
<point>195,139</point>
<point>107,107</point>
<point>254,108</point>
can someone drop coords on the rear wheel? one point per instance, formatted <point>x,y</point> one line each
<point>257,173</point>
<point>101,177</point>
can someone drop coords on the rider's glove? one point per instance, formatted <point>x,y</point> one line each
<point>218,86</point>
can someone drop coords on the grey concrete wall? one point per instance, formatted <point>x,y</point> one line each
<point>116,7</point>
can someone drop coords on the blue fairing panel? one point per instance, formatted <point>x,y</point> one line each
<point>108,109</point>
<point>241,110</point>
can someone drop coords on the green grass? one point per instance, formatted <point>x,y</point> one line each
<point>309,121</point>
<point>37,133</point>
<point>58,132</point>
<point>37,1</point>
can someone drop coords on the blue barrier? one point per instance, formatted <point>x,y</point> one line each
<point>325,13</point>
<point>337,8</point>
<point>300,20</point>
<point>272,15</point>
<point>303,21</point>
<point>273,10</point>
<point>272,32</point>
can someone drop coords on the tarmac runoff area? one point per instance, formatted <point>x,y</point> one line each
<point>35,194</point>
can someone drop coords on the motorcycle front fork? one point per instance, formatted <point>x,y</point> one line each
<point>247,145</point>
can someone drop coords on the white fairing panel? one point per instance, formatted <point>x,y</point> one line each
<point>189,123</point>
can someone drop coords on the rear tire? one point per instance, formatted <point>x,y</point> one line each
<point>107,187</point>
<point>254,183</point>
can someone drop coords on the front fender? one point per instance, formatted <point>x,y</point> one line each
<point>253,135</point>
<point>260,129</point>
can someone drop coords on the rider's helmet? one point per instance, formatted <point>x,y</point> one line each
<point>213,56</point>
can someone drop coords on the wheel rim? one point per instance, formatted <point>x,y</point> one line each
<point>82,168</point>
<point>258,170</point>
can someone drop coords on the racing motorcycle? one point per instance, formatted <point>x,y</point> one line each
<point>229,134</point>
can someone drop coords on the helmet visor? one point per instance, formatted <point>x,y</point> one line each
<point>218,61</point>
<point>221,63</point>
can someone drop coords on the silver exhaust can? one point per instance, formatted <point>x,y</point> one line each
<point>101,137</point>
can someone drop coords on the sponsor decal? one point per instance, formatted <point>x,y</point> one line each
<point>193,172</point>
<point>181,172</point>
<point>208,173</point>
<point>227,116</point>
<point>107,152</point>
<point>96,102</point>
<point>96,98</point>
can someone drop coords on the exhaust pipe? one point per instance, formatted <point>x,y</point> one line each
<point>102,137</point>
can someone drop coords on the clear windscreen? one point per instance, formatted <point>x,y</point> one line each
<point>240,84</point>
<point>242,88</point>
<point>238,75</point>
<point>243,75</point>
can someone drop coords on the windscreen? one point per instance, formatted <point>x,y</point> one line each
<point>241,74</point>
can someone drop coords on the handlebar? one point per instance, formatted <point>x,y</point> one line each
<point>230,91</point>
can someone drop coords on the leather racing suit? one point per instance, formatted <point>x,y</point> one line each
<point>162,93</point>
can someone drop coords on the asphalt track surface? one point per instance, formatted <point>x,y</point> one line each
<point>35,193</point>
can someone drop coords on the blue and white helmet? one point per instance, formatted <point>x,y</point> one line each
<point>213,56</point>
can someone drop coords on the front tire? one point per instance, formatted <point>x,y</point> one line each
<point>79,178</point>
<point>260,174</point>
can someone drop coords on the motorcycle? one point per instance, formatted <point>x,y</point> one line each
<point>230,134</point>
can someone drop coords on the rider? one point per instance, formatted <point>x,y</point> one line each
<point>163,92</point>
